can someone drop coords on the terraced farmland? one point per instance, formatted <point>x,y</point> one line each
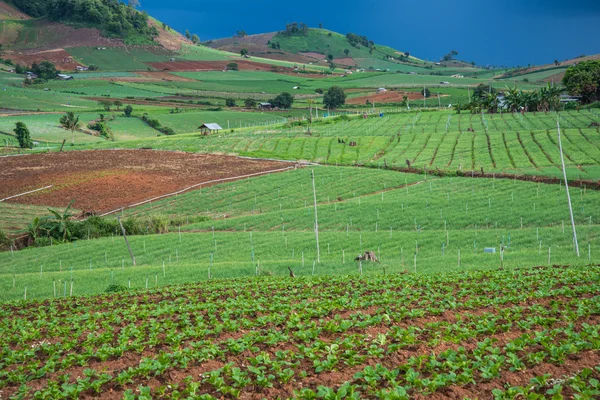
<point>500,143</point>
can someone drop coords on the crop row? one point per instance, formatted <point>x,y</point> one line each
<point>308,338</point>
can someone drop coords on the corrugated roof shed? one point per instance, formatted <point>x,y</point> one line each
<point>212,127</point>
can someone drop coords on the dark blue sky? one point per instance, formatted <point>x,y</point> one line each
<point>508,32</point>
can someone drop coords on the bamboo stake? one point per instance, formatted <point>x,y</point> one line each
<point>126,241</point>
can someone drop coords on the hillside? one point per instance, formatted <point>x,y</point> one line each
<point>548,72</point>
<point>52,29</point>
<point>315,45</point>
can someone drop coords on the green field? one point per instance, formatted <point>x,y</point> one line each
<point>118,58</point>
<point>269,220</point>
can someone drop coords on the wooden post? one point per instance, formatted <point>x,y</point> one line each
<point>316,217</point>
<point>62,145</point>
<point>126,241</point>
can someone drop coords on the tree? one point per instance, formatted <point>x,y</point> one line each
<point>195,39</point>
<point>426,92</point>
<point>346,52</point>
<point>284,100</point>
<point>556,63</point>
<point>19,69</point>
<point>106,104</point>
<point>230,102</point>
<point>44,70</point>
<point>249,103</point>
<point>244,52</point>
<point>335,97</point>
<point>450,56</point>
<point>128,110</point>
<point>118,104</point>
<point>188,34</point>
<point>70,122</point>
<point>583,80</point>
<point>232,66</point>
<point>241,33</point>
<point>23,136</point>
<point>330,57</point>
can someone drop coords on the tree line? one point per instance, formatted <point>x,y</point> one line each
<point>112,16</point>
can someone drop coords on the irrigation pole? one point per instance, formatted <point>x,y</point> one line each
<point>316,217</point>
<point>562,159</point>
<point>127,241</point>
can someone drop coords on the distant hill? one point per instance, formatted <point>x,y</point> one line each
<point>545,73</point>
<point>315,46</point>
<point>36,30</point>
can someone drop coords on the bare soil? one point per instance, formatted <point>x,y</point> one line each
<point>170,40</point>
<point>59,57</point>
<point>8,12</point>
<point>101,181</point>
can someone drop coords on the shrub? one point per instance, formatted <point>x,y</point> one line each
<point>230,102</point>
<point>128,110</point>
<point>23,136</point>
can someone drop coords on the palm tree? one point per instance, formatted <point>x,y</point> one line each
<point>70,122</point>
<point>513,98</point>
<point>60,223</point>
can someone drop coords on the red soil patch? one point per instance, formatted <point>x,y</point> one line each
<point>59,57</point>
<point>170,40</point>
<point>102,181</point>
<point>243,65</point>
<point>316,56</point>
<point>345,61</point>
<point>387,97</point>
<point>9,12</point>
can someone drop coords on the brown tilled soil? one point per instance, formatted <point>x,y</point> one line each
<point>243,65</point>
<point>59,57</point>
<point>102,181</point>
<point>171,40</point>
<point>9,12</point>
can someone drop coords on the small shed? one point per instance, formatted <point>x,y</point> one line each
<point>207,129</point>
<point>64,77</point>
<point>265,106</point>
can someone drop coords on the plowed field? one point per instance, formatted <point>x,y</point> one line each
<point>102,181</point>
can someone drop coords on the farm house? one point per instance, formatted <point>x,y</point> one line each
<point>207,129</point>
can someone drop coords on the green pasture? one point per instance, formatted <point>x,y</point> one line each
<point>118,58</point>
<point>190,121</point>
<point>537,76</point>
<point>403,218</point>
<point>45,128</point>
<point>98,88</point>
<point>18,98</point>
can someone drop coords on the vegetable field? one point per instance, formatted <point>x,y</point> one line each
<point>500,143</point>
<point>487,334</point>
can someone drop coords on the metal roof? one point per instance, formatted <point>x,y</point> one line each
<point>212,127</point>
